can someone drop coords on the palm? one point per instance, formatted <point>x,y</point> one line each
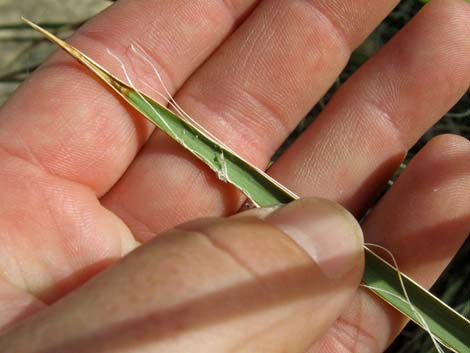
<point>71,151</point>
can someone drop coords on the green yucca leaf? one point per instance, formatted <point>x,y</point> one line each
<point>442,322</point>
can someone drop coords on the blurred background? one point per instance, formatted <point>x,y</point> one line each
<point>22,50</point>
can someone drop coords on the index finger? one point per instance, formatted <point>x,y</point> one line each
<point>81,132</point>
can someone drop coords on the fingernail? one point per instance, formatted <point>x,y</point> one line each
<point>327,232</point>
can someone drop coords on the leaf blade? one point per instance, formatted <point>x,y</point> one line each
<point>449,327</point>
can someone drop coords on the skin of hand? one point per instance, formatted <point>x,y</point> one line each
<point>241,284</point>
<point>85,180</point>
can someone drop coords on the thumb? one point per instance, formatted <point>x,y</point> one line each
<point>267,280</point>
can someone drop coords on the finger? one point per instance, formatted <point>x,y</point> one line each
<point>356,144</point>
<point>64,139</point>
<point>63,121</point>
<point>251,94</point>
<point>440,180</point>
<point>423,220</point>
<point>237,285</point>
<point>54,234</point>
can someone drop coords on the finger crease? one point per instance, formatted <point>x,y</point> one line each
<point>336,29</point>
<point>353,335</point>
<point>217,245</point>
<point>393,127</point>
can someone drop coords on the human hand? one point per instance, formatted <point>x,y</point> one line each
<point>64,153</point>
<point>212,285</point>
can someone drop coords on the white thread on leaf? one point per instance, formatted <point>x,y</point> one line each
<point>167,96</point>
<point>222,171</point>
<point>170,100</point>
<point>131,84</point>
<point>407,300</point>
<point>185,116</point>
